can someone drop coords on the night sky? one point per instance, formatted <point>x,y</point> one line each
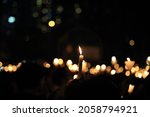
<point>107,24</point>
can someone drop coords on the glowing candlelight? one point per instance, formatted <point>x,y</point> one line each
<point>148,60</point>
<point>113,72</point>
<point>61,62</point>
<point>1,64</point>
<point>120,70</point>
<point>113,60</point>
<point>127,73</point>
<point>10,68</point>
<point>116,66</point>
<point>19,65</point>
<point>75,68</point>
<point>46,65</point>
<point>147,67</point>
<point>103,67</point>
<point>133,70</point>
<point>75,76</point>
<point>81,57</point>
<point>138,74</point>
<point>98,67</point>
<point>6,69</point>
<point>145,74</point>
<point>92,71</point>
<point>69,62</point>
<point>56,62</point>
<point>129,64</point>
<point>131,88</point>
<point>14,68</point>
<point>137,68</point>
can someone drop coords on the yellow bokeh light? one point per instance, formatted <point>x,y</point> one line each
<point>130,88</point>
<point>113,60</point>
<point>93,71</point>
<point>138,74</point>
<point>56,62</point>
<point>147,68</point>
<point>113,72</point>
<point>1,64</point>
<point>69,62</point>
<point>145,74</point>
<point>133,70</point>
<point>131,42</point>
<point>46,65</point>
<point>127,73</point>
<point>14,68</point>
<point>51,23</point>
<point>6,69</point>
<point>98,67</point>
<point>137,68</point>
<point>61,62</point>
<point>148,60</point>
<point>10,68</point>
<point>73,68</point>
<point>120,70</point>
<point>103,67</point>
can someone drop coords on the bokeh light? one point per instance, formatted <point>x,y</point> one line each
<point>131,42</point>
<point>11,19</point>
<point>51,23</point>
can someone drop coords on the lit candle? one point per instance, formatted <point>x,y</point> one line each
<point>61,62</point>
<point>113,72</point>
<point>131,88</point>
<point>113,60</point>
<point>148,60</point>
<point>145,74</point>
<point>1,64</point>
<point>75,76</point>
<point>69,62</point>
<point>103,67</point>
<point>73,68</point>
<point>46,65</point>
<point>81,57</point>
<point>14,68</point>
<point>10,68</point>
<point>84,66</point>
<point>129,64</point>
<point>56,62</point>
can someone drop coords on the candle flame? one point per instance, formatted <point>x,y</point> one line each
<point>113,58</point>
<point>148,58</point>
<point>80,50</point>
<point>128,59</point>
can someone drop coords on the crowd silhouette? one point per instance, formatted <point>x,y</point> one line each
<point>33,82</point>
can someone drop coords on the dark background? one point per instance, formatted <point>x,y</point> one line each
<point>111,23</point>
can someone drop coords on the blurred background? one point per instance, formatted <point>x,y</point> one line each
<point>45,29</point>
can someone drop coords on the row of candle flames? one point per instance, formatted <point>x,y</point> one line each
<point>130,69</point>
